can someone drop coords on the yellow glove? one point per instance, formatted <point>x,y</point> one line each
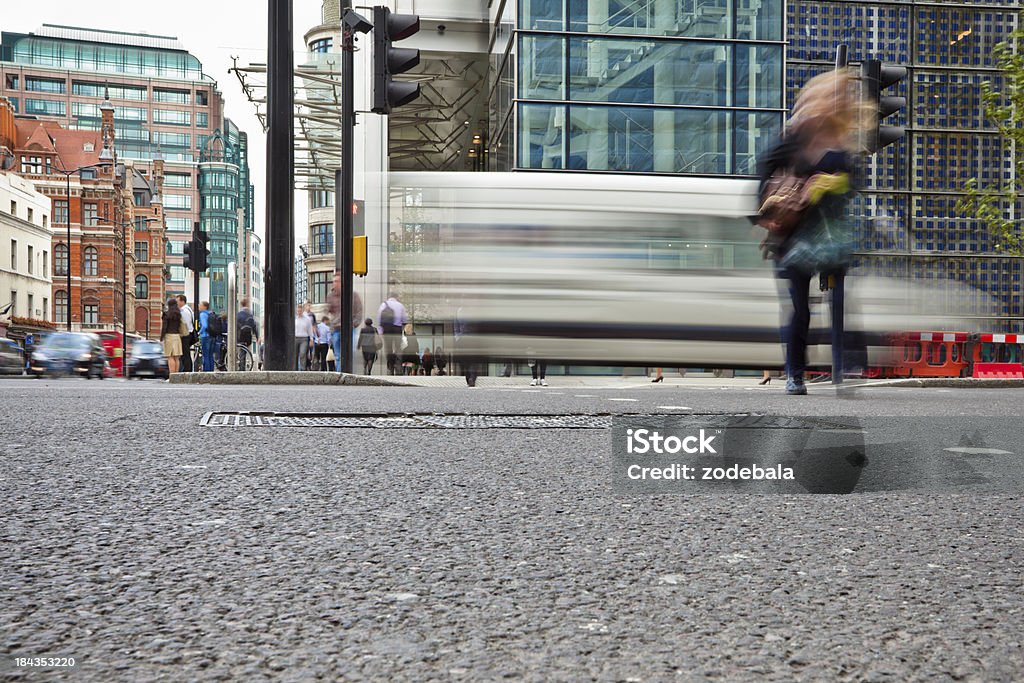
<point>828,183</point>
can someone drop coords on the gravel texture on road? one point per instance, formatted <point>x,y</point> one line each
<point>149,548</point>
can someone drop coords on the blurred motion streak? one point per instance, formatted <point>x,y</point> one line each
<point>621,270</point>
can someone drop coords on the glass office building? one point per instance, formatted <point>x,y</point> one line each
<point>635,86</point>
<point>907,220</point>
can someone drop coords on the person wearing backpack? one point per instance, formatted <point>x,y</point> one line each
<point>391,315</point>
<point>207,336</point>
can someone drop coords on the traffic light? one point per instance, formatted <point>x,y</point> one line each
<point>196,253</point>
<point>875,79</point>
<point>389,61</point>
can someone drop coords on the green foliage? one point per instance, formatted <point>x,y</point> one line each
<point>1005,110</point>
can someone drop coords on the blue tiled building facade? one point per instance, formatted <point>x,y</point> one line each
<point>907,218</point>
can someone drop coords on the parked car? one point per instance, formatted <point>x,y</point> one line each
<point>69,353</point>
<point>147,360</point>
<point>12,360</point>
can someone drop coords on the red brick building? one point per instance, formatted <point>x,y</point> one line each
<point>108,208</point>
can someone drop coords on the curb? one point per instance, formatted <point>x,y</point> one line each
<point>266,378</point>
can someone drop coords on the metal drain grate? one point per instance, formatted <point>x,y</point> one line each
<point>406,421</point>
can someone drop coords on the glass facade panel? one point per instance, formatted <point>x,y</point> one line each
<point>178,180</point>
<point>172,96</point>
<point>542,15</point>
<point>178,201</point>
<point>51,85</point>
<point>755,132</point>
<point>178,223</point>
<point>649,71</point>
<point>45,107</point>
<point>321,238</point>
<point>759,77</point>
<point>690,18</point>
<point>542,68</point>
<point>541,129</point>
<point>172,117</point>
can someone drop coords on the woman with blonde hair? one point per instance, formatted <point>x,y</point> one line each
<point>824,132</point>
<point>410,351</point>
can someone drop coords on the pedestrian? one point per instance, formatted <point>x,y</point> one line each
<point>245,323</point>
<point>304,334</point>
<point>369,343</point>
<point>330,359</point>
<point>220,340</point>
<point>334,308</point>
<point>822,135</point>
<point>428,362</point>
<point>391,315</point>
<point>440,360</point>
<point>307,309</point>
<point>462,331</point>
<point>171,331</point>
<point>410,351</point>
<point>539,369</point>
<point>206,339</point>
<point>189,317</point>
<point>323,342</point>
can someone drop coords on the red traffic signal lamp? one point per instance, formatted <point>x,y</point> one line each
<point>389,61</point>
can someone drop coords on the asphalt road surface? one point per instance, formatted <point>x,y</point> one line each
<point>148,547</point>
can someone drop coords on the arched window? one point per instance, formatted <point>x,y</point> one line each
<point>60,306</point>
<point>91,262</point>
<point>60,260</point>
<point>141,287</point>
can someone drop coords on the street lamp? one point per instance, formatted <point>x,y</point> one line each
<point>67,177</point>
<point>124,286</point>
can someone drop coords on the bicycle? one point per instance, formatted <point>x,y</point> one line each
<point>245,357</point>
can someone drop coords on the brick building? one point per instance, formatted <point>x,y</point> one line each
<point>95,212</point>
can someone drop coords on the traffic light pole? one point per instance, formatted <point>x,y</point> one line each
<point>344,191</point>
<point>279,346</point>
<point>195,282</point>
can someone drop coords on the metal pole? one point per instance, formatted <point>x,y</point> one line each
<point>195,279</point>
<point>841,60</point>
<point>280,265</point>
<point>232,314</point>
<point>345,200</point>
<point>124,300</point>
<point>67,177</point>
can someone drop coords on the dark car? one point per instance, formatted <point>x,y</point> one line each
<point>147,360</point>
<point>69,353</point>
<point>12,360</point>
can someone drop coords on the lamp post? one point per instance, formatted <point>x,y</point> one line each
<point>67,177</point>
<point>124,286</point>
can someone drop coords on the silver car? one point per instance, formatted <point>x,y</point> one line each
<point>12,360</point>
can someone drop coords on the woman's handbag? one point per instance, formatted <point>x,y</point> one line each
<point>784,202</point>
<point>828,246</point>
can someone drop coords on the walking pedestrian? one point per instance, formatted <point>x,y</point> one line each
<point>206,339</point>
<point>304,334</point>
<point>428,362</point>
<point>823,132</point>
<point>391,315</point>
<point>539,368</point>
<point>307,309</point>
<point>171,331</point>
<point>189,317</point>
<point>410,351</point>
<point>369,343</point>
<point>440,360</point>
<point>245,323</point>
<point>323,342</point>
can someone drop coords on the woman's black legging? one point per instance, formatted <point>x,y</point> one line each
<point>368,358</point>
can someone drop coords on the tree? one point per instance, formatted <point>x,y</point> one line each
<point>1005,110</point>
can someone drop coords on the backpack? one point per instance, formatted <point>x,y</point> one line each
<point>785,200</point>
<point>387,316</point>
<point>213,326</point>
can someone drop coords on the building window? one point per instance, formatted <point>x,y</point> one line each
<point>60,306</point>
<point>141,224</point>
<point>322,45</point>
<point>178,224</point>
<point>87,174</point>
<point>177,272</point>
<point>91,262</point>
<point>172,139</point>
<point>202,98</point>
<point>60,259</point>
<point>202,120</point>
<point>46,264</point>
<point>31,259</point>
<point>319,282</point>
<point>178,180</point>
<point>45,107</point>
<point>32,165</point>
<point>90,212</point>
<point>46,308</point>
<point>322,238</point>
<point>91,314</point>
<point>12,82</point>
<point>35,84</point>
<point>14,208</point>
<point>30,216</point>
<point>31,306</point>
<point>142,251</point>
<point>60,212</point>
<point>178,201</point>
<point>319,199</point>
<point>14,255</point>
<point>141,287</point>
<point>171,96</point>
<point>14,302</point>
<point>172,117</point>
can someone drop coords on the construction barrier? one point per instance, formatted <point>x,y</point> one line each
<point>998,348</point>
<point>932,354</point>
<point>998,371</point>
